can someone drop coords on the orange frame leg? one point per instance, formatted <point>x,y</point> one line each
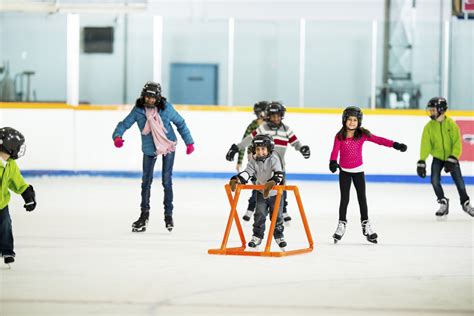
<point>233,216</point>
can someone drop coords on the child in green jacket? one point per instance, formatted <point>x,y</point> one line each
<point>441,138</point>
<point>12,146</point>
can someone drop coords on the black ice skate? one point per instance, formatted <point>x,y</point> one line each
<point>340,231</point>
<point>169,222</point>
<point>467,207</point>
<point>443,208</point>
<point>255,241</point>
<point>368,232</point>
<point>8,259</point>
<point>286,217</point>
<point>140,225</point>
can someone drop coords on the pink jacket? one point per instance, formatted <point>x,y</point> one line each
<point>351,150</point>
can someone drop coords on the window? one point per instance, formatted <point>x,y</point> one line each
<point>98,40</point>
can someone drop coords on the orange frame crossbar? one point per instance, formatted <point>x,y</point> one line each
<point>240,251</point>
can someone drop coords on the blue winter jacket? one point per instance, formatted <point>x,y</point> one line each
<point>168,114</point>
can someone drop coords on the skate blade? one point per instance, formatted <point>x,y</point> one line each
<point>136,230</point>
<point>442,218</point>
<point>336,240</point>
<point>287,223</point>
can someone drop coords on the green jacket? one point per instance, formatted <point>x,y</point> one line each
<point>441,140</point>
<point>10,179</point>
<point>252,126</point>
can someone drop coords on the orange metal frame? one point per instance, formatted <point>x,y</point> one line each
<point>240,251</point>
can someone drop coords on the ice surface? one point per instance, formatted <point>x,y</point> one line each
<point>76,254</point>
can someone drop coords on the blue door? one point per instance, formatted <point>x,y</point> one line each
<point>193,83</point>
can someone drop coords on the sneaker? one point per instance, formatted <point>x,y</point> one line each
<point>8,259</point>
<point>255,241</point>
<point>340,231</point>
<point>286,217</point>
<point>248,215</point>
<point>169,222</point>
<point>443,207</point>
<point>467,207</point>
<point>368,232</point>
<point>281,242</point>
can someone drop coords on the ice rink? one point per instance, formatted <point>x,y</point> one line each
<point>76,254</point>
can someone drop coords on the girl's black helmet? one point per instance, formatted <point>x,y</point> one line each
<point>352,111</point>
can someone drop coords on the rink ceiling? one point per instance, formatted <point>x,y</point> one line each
<point>76,254</point>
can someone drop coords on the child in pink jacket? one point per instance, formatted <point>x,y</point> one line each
<point>348,143</point>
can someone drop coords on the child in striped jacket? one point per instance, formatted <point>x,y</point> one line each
<point>282,135</point>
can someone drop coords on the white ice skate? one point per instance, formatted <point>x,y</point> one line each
<point>340,231</point>
<point>467,207</point>
<point>248,215</point>
<point>368,232</point>
<point>281,243</point>
<point>254,242</point>
<point>443,210</point>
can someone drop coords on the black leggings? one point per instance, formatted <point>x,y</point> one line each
<point>345,187</point>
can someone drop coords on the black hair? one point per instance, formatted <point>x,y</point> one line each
<point>160,105</point>
<point>359,131</point>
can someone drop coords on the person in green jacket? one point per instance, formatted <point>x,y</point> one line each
<point>441,138</point>
<point>12,146</point>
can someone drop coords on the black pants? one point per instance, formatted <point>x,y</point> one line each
<point>345,179</point>
<point>6,234</point>
<point>436,167</point>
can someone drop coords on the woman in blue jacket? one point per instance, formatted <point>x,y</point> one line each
<point>154,115</point>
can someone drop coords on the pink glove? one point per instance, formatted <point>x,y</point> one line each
<point>189,149</point>
<point>118,141</point>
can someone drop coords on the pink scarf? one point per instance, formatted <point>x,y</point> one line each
<point>154,124</point>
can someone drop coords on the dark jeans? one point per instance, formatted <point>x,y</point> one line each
<point>166,180</point>
<point>436,167</point>
<point>6,233</point>
<point>345,179</point>
<point>253,201</point>
<point>265,206</point>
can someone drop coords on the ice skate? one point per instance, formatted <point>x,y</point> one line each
<point>340,231</point>
<point>368,232</point>
<point>254,242</point>
<point>467,207</point>
<point>443,208</point>
<point>248,215</point>
<point>281,243</point>
<point>169,222</point>
<point>140,225</point>
<point>286,218</point>
<point>8,260</point>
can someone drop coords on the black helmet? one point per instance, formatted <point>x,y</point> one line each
<point>259,108</point>
<point>276,107</point>
<point>439,103</point>
<point>352,111</point>
<point>12,142</point>
<point>151,89</point>
<point>262,140</point>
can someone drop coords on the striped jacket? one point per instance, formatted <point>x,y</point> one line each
<point>282,136</point>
